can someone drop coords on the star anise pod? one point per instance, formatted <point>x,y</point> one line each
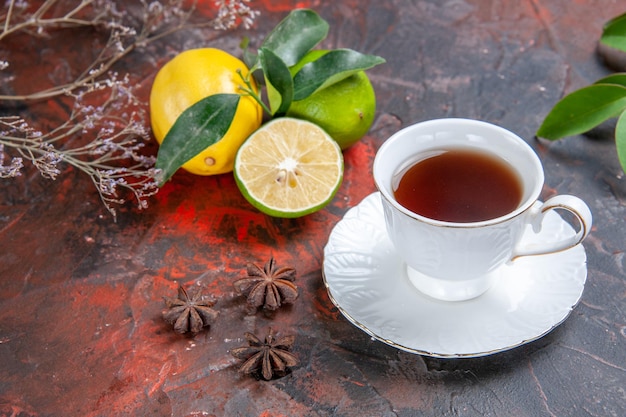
<point>268,287</point>
<point>189,313</point>
<point>266,359</point>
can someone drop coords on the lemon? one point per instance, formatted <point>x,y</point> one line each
<point>345,110</point>
<point>191,76</point>
<point>289,168</point>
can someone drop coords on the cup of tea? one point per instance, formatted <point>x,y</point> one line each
<point>458,195</point>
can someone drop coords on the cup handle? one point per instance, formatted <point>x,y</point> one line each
<point>538,211</point>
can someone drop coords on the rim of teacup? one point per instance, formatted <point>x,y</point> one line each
<point>532,194</point>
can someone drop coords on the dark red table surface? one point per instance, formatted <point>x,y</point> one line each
<point>81,332</point>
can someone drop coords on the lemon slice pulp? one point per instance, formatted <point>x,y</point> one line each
<point>289,168</point>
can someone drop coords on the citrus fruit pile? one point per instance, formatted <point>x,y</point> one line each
<point>206,113</point>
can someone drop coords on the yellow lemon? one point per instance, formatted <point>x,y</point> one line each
<point>191,76</point>
<point>345,110</point>
<point>289,168</point>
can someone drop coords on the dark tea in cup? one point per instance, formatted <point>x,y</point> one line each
<point>459,185</point>
<point>475,188</point>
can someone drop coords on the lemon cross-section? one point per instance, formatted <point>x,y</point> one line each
<point>289,168</point>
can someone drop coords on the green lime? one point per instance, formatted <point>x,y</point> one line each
<point>345,110</point>
<point>289,168</point>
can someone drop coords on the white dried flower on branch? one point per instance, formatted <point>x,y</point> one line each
<point>231,12</point>
<point>113,120</point>
<point>104,108</point>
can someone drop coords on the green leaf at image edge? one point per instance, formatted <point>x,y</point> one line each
<point>614,33</point>
<point>198,127</point>
<point>620,140</point>
<point>583,110</point>
<point>618,78</point>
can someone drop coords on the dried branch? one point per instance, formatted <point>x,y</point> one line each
<point>105,108</point>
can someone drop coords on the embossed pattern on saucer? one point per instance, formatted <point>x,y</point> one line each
<point>367,281</point>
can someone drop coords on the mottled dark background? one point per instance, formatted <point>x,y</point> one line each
<point>81,332</point>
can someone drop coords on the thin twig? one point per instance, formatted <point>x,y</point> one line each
<point>112,158</point>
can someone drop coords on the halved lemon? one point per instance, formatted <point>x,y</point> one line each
<point>289,168</point>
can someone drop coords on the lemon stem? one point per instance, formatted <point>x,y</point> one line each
<point>250,91</point>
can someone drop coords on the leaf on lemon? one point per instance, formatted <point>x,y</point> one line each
<point>614,33</point>
<point>583,110</point>
<point>331,68</point>
<point>278,81</point>
<point>198,127</point>
<point>294,36</point>
<point>620,140</point>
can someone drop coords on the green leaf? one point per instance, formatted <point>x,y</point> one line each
<point>330,68</point>
<point>277,80</point>
<point>198,127</point>
<point>296,35</point>
<point>620,140</point>
<point>583,110</point>
<point>614,33</point>
<point>617,78</point>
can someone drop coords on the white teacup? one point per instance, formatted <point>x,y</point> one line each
<point>456,261</point>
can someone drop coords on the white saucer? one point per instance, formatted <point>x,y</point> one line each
<point>368,282</point>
